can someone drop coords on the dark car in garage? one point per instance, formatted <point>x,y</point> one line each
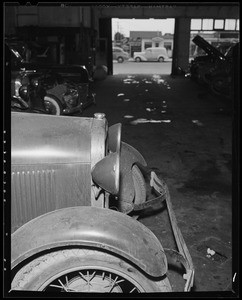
<point>201,64</point>
<point>68,87</point>
<point>215,68</point>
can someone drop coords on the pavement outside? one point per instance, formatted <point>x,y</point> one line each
<point>185,135</point>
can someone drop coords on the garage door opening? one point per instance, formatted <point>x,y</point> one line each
<point>142,46</point>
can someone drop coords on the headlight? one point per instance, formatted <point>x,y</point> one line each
<point>106,173</point>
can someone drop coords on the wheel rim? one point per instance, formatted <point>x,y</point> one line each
<point>220,86</point>
<point>120,60</point>
<point>50,108</point>
<point>92,281</point>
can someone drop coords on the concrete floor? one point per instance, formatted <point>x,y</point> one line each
<point>185,135</point>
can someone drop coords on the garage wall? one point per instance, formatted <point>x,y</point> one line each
<point>191,10</point>
<point>88,18</point>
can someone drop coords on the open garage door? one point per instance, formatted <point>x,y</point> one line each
<point>142,46</point>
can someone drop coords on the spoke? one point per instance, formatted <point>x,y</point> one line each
<point>103,275</point>
<point>93,274</point>
<point>63,285</point>
<point>122,280</point>
<point>133,290</point>
<point>56,286</point>
<point>67,282</point>
<point>114,283</point>
<point>83,276</point>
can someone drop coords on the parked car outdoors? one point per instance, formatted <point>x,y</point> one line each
<point>68,87</point>
<point>152,54</point>
<point>76,192</point>
<point>120,55</point>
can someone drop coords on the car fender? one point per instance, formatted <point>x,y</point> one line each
<point>88,226</point>
<point>143,58</point>
<point>163,56</point>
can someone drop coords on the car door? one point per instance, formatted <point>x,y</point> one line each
<point>149,54</point>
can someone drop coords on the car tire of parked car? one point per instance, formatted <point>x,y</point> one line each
<point>120,59</point>
<point>85,270</point>
<point>53,106</point>
<point>161,59</point>
<point>220,86</point>
<point>138,59</point>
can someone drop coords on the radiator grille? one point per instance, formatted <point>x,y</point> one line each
<point>33,193</point>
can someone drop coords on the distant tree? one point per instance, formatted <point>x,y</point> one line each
<point>118,36</point>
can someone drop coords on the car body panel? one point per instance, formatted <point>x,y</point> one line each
<point>152,54</point>
<point>51,160</point>
<point>95,227</point>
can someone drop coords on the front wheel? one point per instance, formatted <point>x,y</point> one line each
<point>53,106</point>
<point>137,59</point>
<point>85,271</point>
<point>220,86</point>
<point>120,59</point>
<point>161,59</point>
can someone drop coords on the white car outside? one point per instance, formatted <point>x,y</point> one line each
<point>152,54</point>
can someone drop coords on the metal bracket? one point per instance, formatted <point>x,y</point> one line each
<point>183,255</point>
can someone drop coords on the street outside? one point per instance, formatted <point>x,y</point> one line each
<point>132,67</point>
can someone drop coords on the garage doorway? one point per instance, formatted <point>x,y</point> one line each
<point>142,46</point>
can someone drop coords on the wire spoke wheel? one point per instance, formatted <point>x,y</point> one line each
<point>92,281</point>
<point>84,271</point>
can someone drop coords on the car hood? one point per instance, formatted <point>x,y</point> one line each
<point>209,49</point>
<point>43,139</point>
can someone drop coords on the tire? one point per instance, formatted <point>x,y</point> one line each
<point>220,86</point>
<point>161,59</point>
<point>137,59</point>
<point>120,59</point>
<point>53,106</point>
<point>84,270</point>
<point>139,185</point>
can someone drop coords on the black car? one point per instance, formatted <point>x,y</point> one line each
<point>200,65</point>
<point>214,69</point>
<point>68,87</point>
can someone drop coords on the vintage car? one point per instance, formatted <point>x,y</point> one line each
<point>76,192</point>
<point>68,87</point>
<point>215,68</point>
<point>120,55</point>
<point>152,54</point>
<point>221,75</point>
<point>201,64</point>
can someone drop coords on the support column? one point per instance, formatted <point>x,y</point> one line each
<point>181,49</point>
